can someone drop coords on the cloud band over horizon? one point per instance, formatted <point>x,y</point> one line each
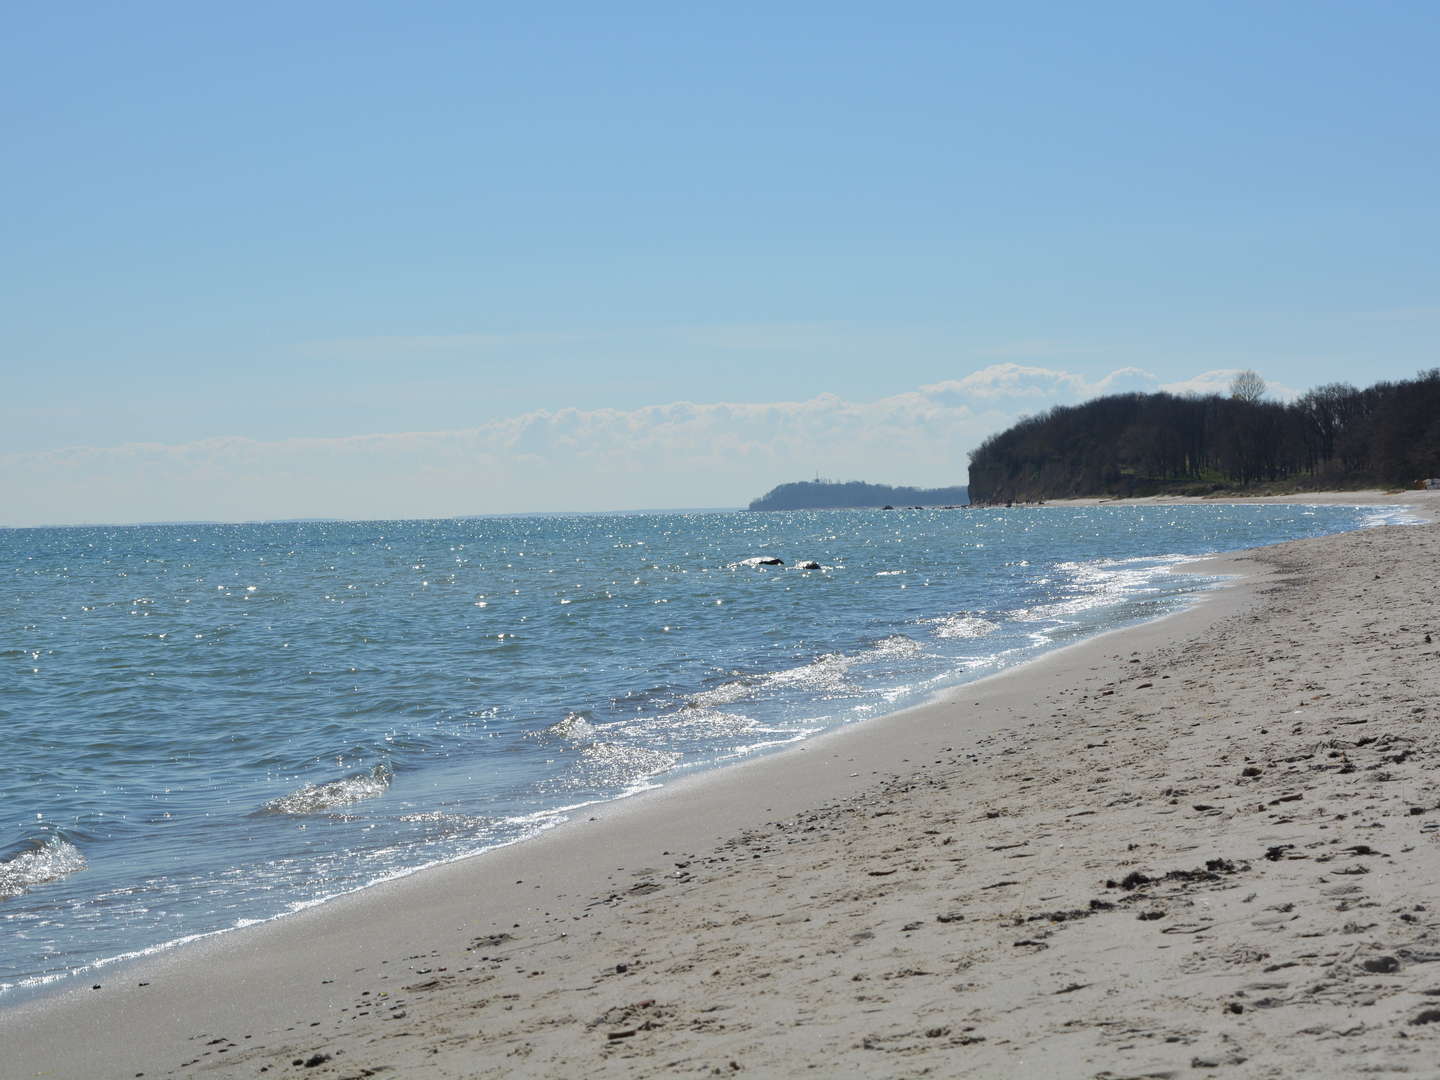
<point>680,454</point>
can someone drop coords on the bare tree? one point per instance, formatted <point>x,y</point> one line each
<point>1247,386</point>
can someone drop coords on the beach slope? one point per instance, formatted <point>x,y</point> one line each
<point>1209,845</point>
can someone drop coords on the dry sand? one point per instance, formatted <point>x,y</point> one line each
<point>1205,846</point>
<point>1310,498</point>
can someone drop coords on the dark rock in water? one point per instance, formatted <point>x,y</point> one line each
<point>769,560</point>
<point>808,564</point>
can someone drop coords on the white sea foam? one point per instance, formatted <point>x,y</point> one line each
<point>620,764</point>
<point>317,798</point>
<point>49,861</point>
<point>574,728</point>
<point>962,626</point>
<point>893,646</point>
<point>825,674</point>
<point>725,694</point>
<point>1101,582</point>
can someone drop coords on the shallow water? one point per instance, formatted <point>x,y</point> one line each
<point>208,726</point>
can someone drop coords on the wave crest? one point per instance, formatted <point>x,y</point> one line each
<point>575,728</point>
<point>317,798</point>
<point>50,860</point>
<point>963,626</point>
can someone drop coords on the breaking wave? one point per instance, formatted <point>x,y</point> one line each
<point>317,798</point>
<point>574,728</point>
<point>50,860</point>
<point>962,626</point>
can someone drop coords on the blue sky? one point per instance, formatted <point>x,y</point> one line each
<point>378,260</point>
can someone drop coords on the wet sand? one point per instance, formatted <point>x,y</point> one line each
<point>1207,845</point>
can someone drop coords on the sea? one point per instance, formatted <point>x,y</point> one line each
<point>210,726</point>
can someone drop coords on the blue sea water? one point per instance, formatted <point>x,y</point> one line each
<point>211,725</point>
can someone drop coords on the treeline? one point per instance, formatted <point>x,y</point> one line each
<point>1137,444</point>
<point>834,495</point>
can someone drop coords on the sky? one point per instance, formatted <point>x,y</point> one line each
<point>376,260</point>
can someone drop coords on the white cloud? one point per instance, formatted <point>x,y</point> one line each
<point>1011,380</point>
<point>677,454</point>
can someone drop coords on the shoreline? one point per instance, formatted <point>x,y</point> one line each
<point>117,965</point>
<point>1426,503</point>
<point>315,967</point>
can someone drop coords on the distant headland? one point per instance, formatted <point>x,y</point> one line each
<point>853,494</point>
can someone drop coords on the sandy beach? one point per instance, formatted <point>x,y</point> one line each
<point>1204,846</point>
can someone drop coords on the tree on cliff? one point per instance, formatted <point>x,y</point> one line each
<point>1128,444</point>
<point>1248,386</point>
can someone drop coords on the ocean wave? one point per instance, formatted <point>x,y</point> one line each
<point>700,722</point>
<point>826,674</point>
<point>1094,583</point>
<point>48,860</point>
<point>618,764</point>
<point>317,798</point>
<point>962,626</point>
<point>574,728</point>
<point>727,693</point>
<point>690,721</point>
<point>894,645</point>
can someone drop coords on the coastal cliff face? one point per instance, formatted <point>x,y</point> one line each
<point>853,494</point>
<point>1333,437</point>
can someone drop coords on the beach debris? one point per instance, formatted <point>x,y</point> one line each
<point>1062,916</point>
<point>1133,880</point>
<point>1213,870</point>
<point>1381,965</point>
